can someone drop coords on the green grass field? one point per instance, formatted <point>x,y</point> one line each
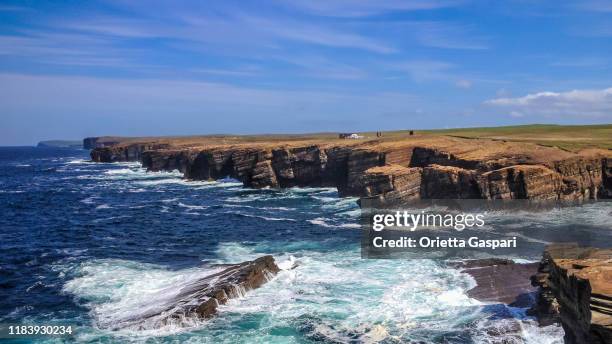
<point>568,137</point>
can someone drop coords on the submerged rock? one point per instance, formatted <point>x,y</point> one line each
<point>201,298</point>
<point>501,281</point>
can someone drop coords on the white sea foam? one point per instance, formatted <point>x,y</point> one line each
<point>192,207</point>
<point>309,190</point>
<point>348,296</point>
<point>259,208</point>
<point>335,295</point>
<point>79,161</point>
<point>267,218</point>
<point>120,293</point>
<point>321,221</point>
<point>516,330</point>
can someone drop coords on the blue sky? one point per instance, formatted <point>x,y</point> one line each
<point>73,69</point>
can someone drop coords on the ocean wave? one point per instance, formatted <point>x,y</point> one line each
<point>310,190</point>
<point>80,162</point>
<point>321,221</point>
<point>130,296</point>
<point>515,328</point>
<point>337,296</point>
<point>267,218</point>
<point>334,296</point>
<point>192,207</point>
<point>155,182</point>
<point>259,208</point>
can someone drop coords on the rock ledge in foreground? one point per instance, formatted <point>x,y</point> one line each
<point>500,281</point>
<point>199,299</point>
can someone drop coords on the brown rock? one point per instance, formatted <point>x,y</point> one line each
<point>576,289</point>
<point>201,298</point>
<point>501,281</point>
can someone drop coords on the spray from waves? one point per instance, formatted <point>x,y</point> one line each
<point>128,298</point>
<point>329,296</point>
<point>516,328</point>
<point>338,297</point>
<point>120,294</point>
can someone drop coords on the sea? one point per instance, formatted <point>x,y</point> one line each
<point>90,244</point>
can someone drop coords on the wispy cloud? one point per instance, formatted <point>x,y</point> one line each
<point>576,103</point>
<point>61,48</point>
<point>232,28</point>
<point>362,8</point>
<point>316,34</point>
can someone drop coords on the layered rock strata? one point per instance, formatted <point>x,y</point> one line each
<point>575,289</point>
<point>201,298</point>
<point>387,173</point>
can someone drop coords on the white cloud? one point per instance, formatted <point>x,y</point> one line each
<point>576,103</point>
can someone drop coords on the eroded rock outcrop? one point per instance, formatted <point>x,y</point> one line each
<point>201,298</point>
<point>389,185</point>
<point>575,288</point>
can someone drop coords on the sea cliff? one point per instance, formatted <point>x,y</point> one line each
<point>383,173</point>
<point>575,289</point>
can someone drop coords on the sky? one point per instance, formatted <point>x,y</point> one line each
<point>71,69</point>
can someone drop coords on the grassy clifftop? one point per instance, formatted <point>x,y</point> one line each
<point>568,137</point>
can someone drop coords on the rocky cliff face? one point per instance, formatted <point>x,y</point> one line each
<point>385,175</point>
<point>576,289</point>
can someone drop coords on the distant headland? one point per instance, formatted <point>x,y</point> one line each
<point>60,144</point>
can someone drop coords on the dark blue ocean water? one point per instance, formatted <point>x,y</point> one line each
<point>89,244</point>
